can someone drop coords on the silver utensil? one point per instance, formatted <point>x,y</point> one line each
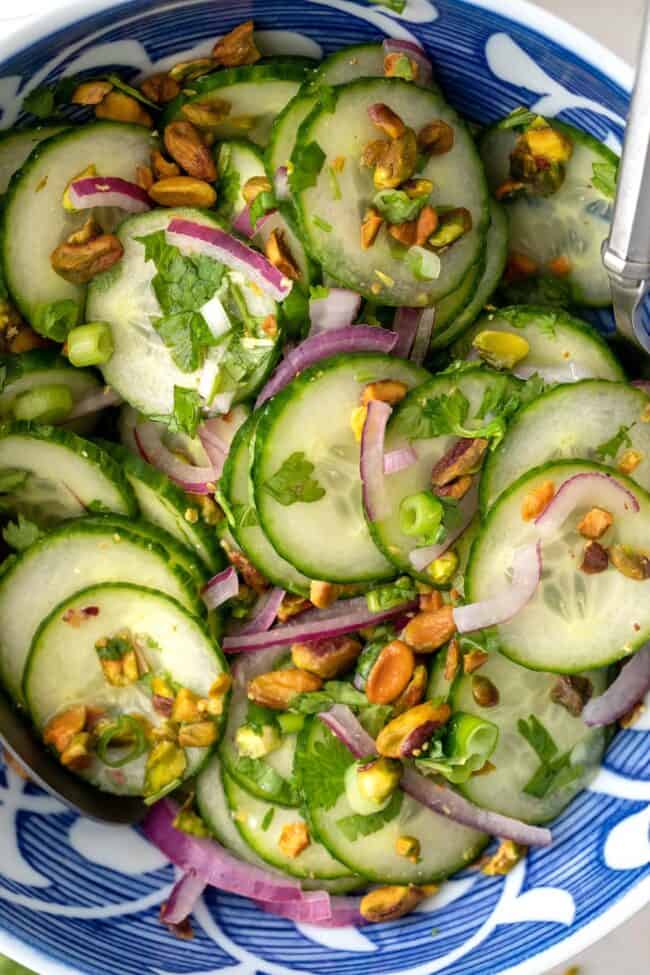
<point>626,254</point>
<point>18,739</point>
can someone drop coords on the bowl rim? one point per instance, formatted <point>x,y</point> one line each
<point>605,62</point>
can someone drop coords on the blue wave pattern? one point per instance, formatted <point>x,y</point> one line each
<point>232,932</point>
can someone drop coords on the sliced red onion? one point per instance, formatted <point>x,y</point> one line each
<point>247,667</point>
<point>211,862</point>
<point>526,573</point>
<point>423,336</point>
<point>345,616</point>
<point>194,480</point>
<point>162,705</point>
<point>342,722</point>
<point>94,402</point>
<point>264,613</point>
<point>223,586</point>
<point>281,183</point>
<point>415,52</point>
<point>108,191</point>
<point>193,237</point>
<point>215,317</point>
<point>342,911</point>
<point>399,460</point>
<point>569,373</point>
<point>405,324</point>
<point>420,558</point>
<point>183,898</point>
<point>337,310</point>
<point>371,460</point>
<point>629,688</point>
<point>242,222</point>
<point>355,338</point>
<point>581,491</point>
<point>222,429</point>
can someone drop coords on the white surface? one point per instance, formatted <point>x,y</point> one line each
<point>616,24</point>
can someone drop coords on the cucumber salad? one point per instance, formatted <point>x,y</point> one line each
<point>326,514</point>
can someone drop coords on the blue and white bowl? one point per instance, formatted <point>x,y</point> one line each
<point>76,897</point>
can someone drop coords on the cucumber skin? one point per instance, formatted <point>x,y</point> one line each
<point>36,360</point>
<point>10,134</point>
<point>86,448</point>
<point>588,465</point>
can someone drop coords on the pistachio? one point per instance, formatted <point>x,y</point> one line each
<point>452,225</point>
<point>88,231</point>
<point>77,755</point>
<point>414,692</point>
<point>572,692</point>
<point>208,114</point>
<point>294,838</point>
<point>26,339</point>
<point>62,728</point>
<point>442,570</point>
<point>80,263</point>
<point>398,162</point>
<point>183,191</point>
<point>400,65</point>
<point>201,734</point>
<point>391,391</point>
<point>452,660</point>
<point>501,350</point>
<point>279,254</point>
<point>519,267</point>
<point>91,92</point>
<point>377,780</point>
<point>185,145</point>
<point>185,71</point>
<point>633,715</point>
<point>276,689</point>
<point>84,174</point>
<point>163,168</point>
<point>484,692</point>
<point>237,47</point>
<point>408,847</point>
<point>464,457</point>
<point>473,660</point>
<point>373,152</point>
<point>629,461</point>
<point>323,594</point>
<point>455,489</point>
<point>387,120</point>
<point>436,138</point>
<point>560,266</point>
<point>430,600</point>
<point>632,564</point>
<point>407,734</point>
<point>326,658</point>
<point>425,225</point>
<point>595,523</point>
<point>506,857</point>
<point>186,706</point>
<point>119,107</point>
<point>415,189</point>
<point>429,631</point>
<point>509,189</point>
<point>391,673</point>
<point>254,186</point>
<point>249,573</point>
<point>166,763</point>
<point>391,903</point>
<point>404,233</point>
<point>292,605</point>
<point>537,500</point>
<point>594,558</point>
<point>370,227</point>
<point>270,326</point>
<point>144,177</point>
<point>256,743</point>
<point>545,142</point>
<point>160,88</point>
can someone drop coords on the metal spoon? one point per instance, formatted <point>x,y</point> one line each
<point>44,770</point>
<point>626,254</point>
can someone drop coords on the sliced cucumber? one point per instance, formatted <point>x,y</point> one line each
<point>249,98</point>
<point>445,846</point>
<point>165,505</point>
<point>475,384</point>
<point>285,128</point>
<point>440,687</point>
<point>142,368</point>
<point>237,162</point>
<point>556,339</point>
<point>35,221</point>
<point>326,538</point>
<point>45,367</point>
<point>523,693</point>
<point>64,669</point>
<point>574,621</point>
<point>572,222</point>
<point>79,553</point>
<point>450,307</point>
<point>594,419</point>
<point>50,474</point>
<point>235,485</point>
<point>342,128</point>
<point>351,63</point>
<point>496,252</point>
<point>17,144</point>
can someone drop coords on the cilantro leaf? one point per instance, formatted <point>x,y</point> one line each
<point>604,176</point>
<point>334,692</point>
<point>293,481</point>
<point>318,291</point>
<point>539,739</point>
<point>306,163</point>
<point>40,102</point>
<point>268,819</point>
<point>499,399</point>
<point>610,448</point>
<point>395,206</point>
<point>55,320</point>
<point>229,185</point>
<point>545,321</point>
<point>519,118</point>
<point>187,412</point>
<point>21,534</point>
<point>259,717</point>
<point>355,826</point>
<point>447,415</point>
<point>322,770</point>
<point>132,92</point>
<point>554,771</point>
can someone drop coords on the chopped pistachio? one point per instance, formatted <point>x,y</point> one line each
<point>166,764</point>
<point>442,569</point>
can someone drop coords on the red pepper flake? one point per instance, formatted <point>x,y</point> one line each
<point>91,611</point>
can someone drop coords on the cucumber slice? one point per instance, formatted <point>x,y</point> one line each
<point>450,307</point>
<point>325,538</point>
<point>82,552</point>
<point>555,339</point>
<point>166,506</point>
<point>572,222</point>
<point>45,367</point>
<point>235,486</point>
<point>285,128</point>
<point>574,621</point>
<point>439,687</point>
<point>351,63</point>
<point>475,384</point>
<point>523,693</point>
<point>445,845</point>
<point>594,419</point>
<point>51,474</point>
<point>17,144</point>
<point>250,97</point>
<point>342,128</point>
<point>496,252</point>
<point>35,221</point>
<point>63,668</point>
<point>141,368</point>
<point>237,162</point>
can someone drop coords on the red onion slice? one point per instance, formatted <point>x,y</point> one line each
<point>215,450</point>
<point>342,911</point>
<point>264,613</point>
<point>526,573</point>
<point>316,624</point>
<point>584,490</point>
<point>405,324</point>
<point>423,336</point>
<point>629,688</point>
<point>337,310</point>
<point>399,460</point>
<point>223,586</point>
<point>183,898</point>
<point>371,460</point>
<point>281,183</point>
<point>193,237</point>
<point>108,191</point>
<point>242,222</point>
<point>569,373</point>
<point>194,480</point>
<point>94,402</point>
<point>355,338</point>
<point>420,558</point>
<point>413,51</point>
<point>342,722</point>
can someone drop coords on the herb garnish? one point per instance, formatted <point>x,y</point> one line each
<point>293,481</point>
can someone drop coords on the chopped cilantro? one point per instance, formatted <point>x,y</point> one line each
<point>333,692</point>
<point>307,162</point>
<point>317,292</point>
<point>55,320</point>
<point>604,178</point>
<point>259,717</point>
<point>293,481</point>
<point>447,414</point>
<point>610,448</point>
<point>396,206</point>
<point>335,186</point>
<point>545,321</point>
<point>386,597</point>
<point>554,771</point>
<point>519,118</point>
<point>355,826</point>
<point>268,819</point>
<point>132,92</point>
<point>40,102</point>
<point>21,534</point>
<point>187,412</point>
<point>499,399</point>
<point>294,312</point>
<point>322,224</point>
<point>322,770</point>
